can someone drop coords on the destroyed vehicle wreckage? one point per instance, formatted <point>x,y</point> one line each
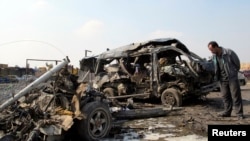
<point>60,109</point>
<point>162,68</point>
<point>62,106</point>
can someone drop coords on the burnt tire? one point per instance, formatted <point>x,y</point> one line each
<point>97,123</point>
<point>8,138</point>
<point>140,113</point>
<point>171,97</point>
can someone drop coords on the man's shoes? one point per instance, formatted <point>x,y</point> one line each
<point>224,115</point>
<point>240,117</point>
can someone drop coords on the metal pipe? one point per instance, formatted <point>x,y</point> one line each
<point>126,96</point>
<point>35,83</point>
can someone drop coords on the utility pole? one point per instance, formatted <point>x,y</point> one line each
<point>86,52</point>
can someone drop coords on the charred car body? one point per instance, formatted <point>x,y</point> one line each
<point>162,68</point>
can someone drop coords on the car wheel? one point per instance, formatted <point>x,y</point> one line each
<point>171,97</point>
<point>97,123</point>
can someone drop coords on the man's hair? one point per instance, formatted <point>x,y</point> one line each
<point>213,44</point>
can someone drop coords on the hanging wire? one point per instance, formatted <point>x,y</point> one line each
<point>43,42</point>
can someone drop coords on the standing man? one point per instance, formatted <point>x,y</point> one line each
<point>227,65</point>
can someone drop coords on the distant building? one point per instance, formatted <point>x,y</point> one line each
<point>3,65</point>
<point>16,71</point>
<point>245,66</point>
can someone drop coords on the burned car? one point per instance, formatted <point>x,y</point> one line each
<point>164,69</point>
<point>55,107</point>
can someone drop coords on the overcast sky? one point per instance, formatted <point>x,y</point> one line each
<point>54,29</point>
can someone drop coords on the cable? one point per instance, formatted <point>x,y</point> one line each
<point>43,42</point>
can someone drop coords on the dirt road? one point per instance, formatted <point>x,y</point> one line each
<point>189,123</point>
<point>199,114</point>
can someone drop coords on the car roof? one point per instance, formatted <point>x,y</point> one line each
<point>126,50</point>
<point>139,47</point>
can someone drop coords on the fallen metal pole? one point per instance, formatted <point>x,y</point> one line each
<point>34,84</point>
